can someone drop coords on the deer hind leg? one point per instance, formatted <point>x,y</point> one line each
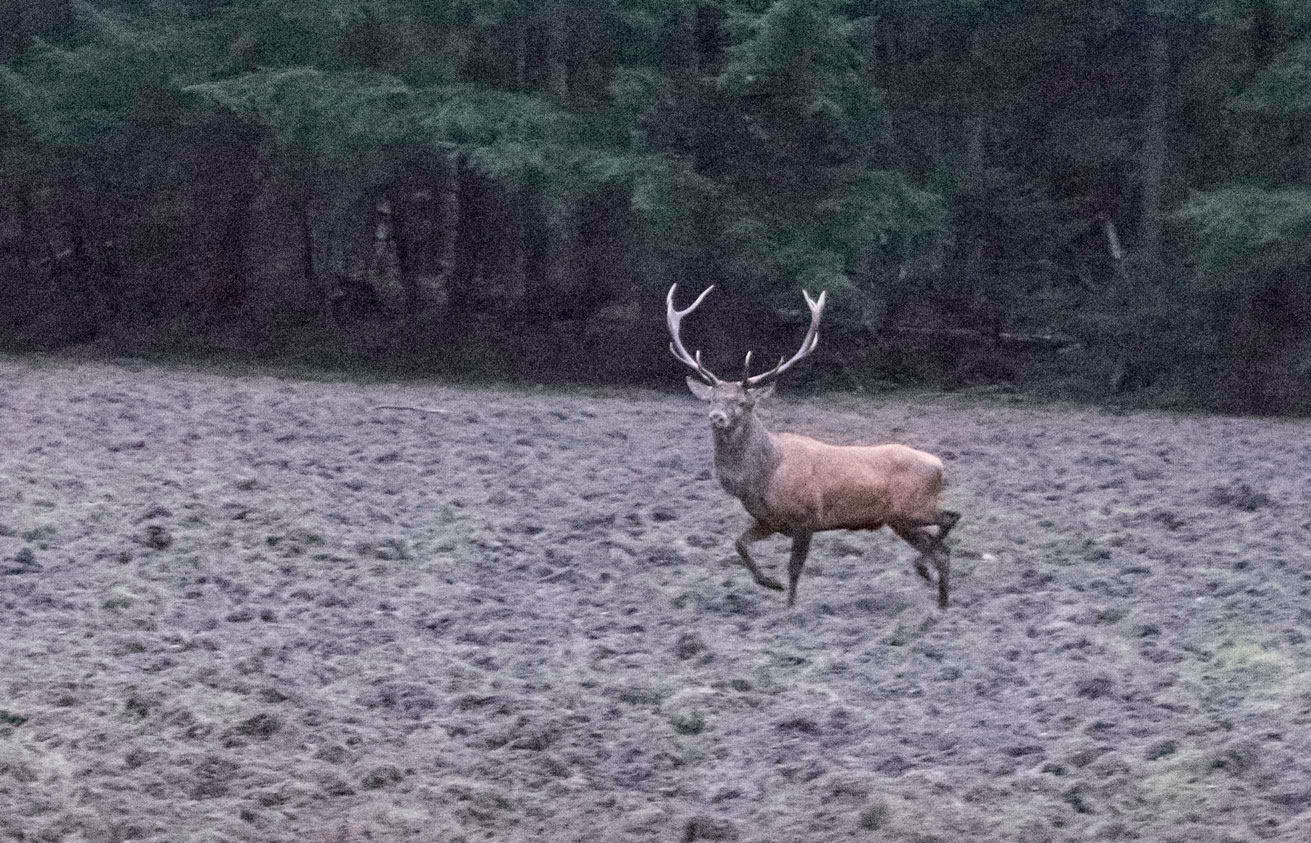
<point>931,548</point>
<point>941,554</point>
<point>942,562</point>
<point>800,549</point>
<point>752,534</point>
<point>945,519</point>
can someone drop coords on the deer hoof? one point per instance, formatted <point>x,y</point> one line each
<point>768,582</point>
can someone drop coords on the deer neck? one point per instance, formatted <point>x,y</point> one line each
<point>745,459</point>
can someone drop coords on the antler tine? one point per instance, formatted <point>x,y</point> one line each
<point>746,368</point>
<point>674,316</point>
<point>807,345</point>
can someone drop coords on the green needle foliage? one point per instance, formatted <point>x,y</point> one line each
<point>979,183</point>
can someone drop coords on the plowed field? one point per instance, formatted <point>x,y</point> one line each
<point>249,608</point>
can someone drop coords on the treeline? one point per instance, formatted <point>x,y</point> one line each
<point>1105,195</point>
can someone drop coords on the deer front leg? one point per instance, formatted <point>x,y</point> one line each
<point>752,534</point>
<point>800,548</point>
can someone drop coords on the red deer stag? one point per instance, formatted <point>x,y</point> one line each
<point>797,486</point>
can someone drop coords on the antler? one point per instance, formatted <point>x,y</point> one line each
<point>807,345</point>
<point>673,317</point>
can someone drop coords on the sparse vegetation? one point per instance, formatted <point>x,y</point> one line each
<point>39,536</point>
<point>874,816</point>
<point>9,718</point>
<point>688,722</point>
<point>1240,496</point>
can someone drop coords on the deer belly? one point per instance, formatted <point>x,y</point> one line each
<point>872,525</point>
<point>858,509</point>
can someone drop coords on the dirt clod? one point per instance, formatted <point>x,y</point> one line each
<point>1239,496</point>
<point>1094,687</point>
<point>380,777</point>
<point>689,644</point>
<point>260,726</point>
<point>708,828</point>
<point>157,537</point>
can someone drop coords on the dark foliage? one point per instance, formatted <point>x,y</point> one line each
<point>1099,197</point>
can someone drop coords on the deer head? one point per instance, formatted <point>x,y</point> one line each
<point>731,402</point>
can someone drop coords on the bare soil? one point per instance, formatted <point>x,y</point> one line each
<point>252,609</point>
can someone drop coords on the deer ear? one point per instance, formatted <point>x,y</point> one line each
<point>700,390</point>
<point>764,392</point>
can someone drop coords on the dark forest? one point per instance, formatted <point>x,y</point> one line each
<point>1101,198</point>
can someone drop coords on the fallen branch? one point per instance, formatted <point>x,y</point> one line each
<point>430,410</point>
<point>1051,341</point>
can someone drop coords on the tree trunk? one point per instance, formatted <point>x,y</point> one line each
<point>517,283</point>
<point>937,109</point>
<point>29,235</point>
<point>1263,39</point>
<point>404,264</point>
<point>314,290</point>
<point>881,73</point>
<point>235,242</point>
<point>969,269</point>
<point>447,226</point>
<point>1121,368</point>
<point>466,228</point>
<point>681,54</point>
<point>389,267</point>
<point>557,57</point>
<point>976,123</point>
<point>381,269</point>
<point>89,281</point>
<point>13,39</point>
<point>883,51</point>
<point>539,280</point>
<point>1154,152</point>
<point>521,52</point>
